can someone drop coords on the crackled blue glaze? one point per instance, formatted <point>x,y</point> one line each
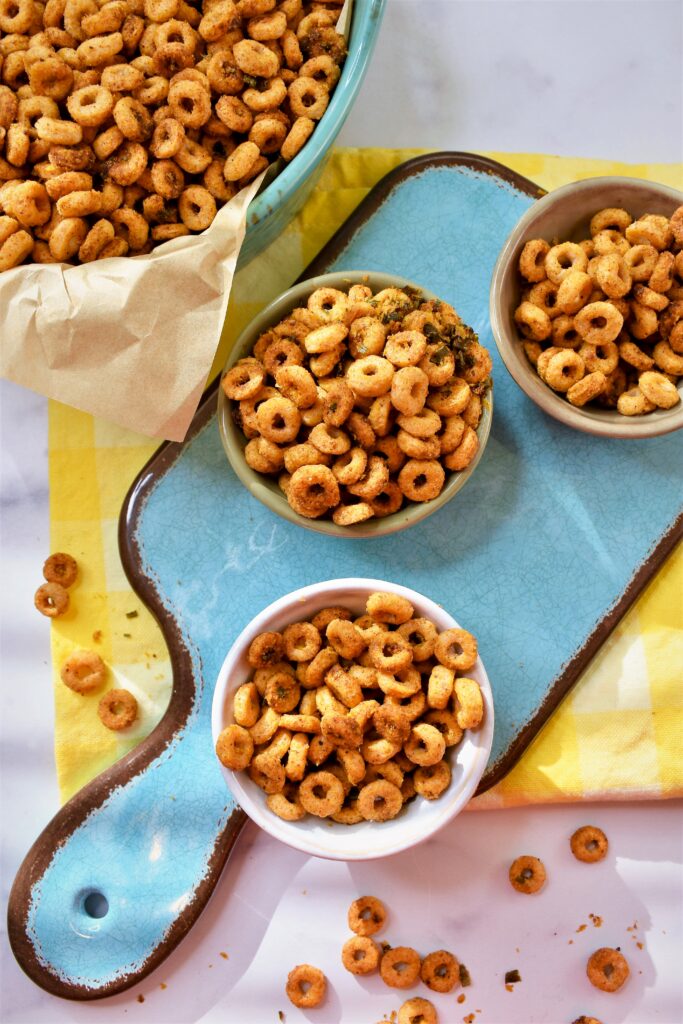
<point>530,555</point>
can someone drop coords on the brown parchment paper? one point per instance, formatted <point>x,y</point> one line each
<point>128,339</point>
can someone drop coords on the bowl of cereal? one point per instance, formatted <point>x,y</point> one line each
<point>353,718</point>
<point>587,302</point>
<point>355,404</point>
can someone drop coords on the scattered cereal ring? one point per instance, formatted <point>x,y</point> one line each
<point>285,806</point>
<point>527,874</point>
<point>321,794</point>
<point>589,844</point>
<point>440,971</point>
<point>400,967</point>
<point>360,955</point>
<point>607,969</point>
<point>60,568</point>
<point>52,600</point>
<point>306,986</point>
<point>367,915</point>
<point>379,801</point>
<point>533,322</point>
<point>634,403</point>
<point>431,781</point>
<point>417,1011</point>
<point>564,370</point>
<point>118,709</point>
<point>83,671</point>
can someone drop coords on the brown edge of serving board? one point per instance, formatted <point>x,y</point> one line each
<point>73,814</point>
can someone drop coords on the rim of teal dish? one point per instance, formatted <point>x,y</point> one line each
<point>266,490</point>
<point>365,23</point>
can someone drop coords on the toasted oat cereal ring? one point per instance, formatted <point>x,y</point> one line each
<point>598,322</point>
<point>564,369</point>
<point>370,376</point>
<point>527,874</point>
<point>360,955</point>
<point>364,711</point>
<point>669,320</point>
<point>234,747</point>
<point>451,398</point>
<point>345,688</point>
<point>342,730</point>
<point>440,687</point>
<point>633,355</point>
<point>246,705</point>
<point>610,217</point>
<point>349,814</point>
<point>589,844</point>
<point>421,634</point>
<point>613,276</point>
<point>266,727</point>
<point>389,608</point>
<point>268,99</point>
<point>15,249</point>
<point>321,794</point>
<point>667,360</point>
<point>297,756</point>
<point>418,447</point>
<point>469,703</point>
<point>641,261</point>
<point>648,297</point>
<point>308,98</point>
<point>662,277</point>
<point>658,389</point>
<point>282,692</point>
<point>533,350</point>
<point>99,235</point>
<point>378,750</point>
<point>367,337</point>
<point>268,134</point>
<point>329,304</point>
<point>359,427</point>
<point>390,653</point>
<point>338,404</point>
<point>324,70</point>
<point>305,454</point>
<point>51,599</point>
<point>168,179</point>
<point>564,334</point>
<point>133,119</point>
<point>60,568</point>
<point>400,967</point>
<point>51,77</point>
<point>431,781</point>
<point>440,971</point>
<point>388,450</point>
<point>118,709</point>
<point>650,229</point>
<point>446,723</point>
<point>533,322</point>
<point>425,745</point>
<point>367,915</point>
<point>301,723</point>
<point>235,114</point>
<point>319,749</point>
<point>346,640</point>
<point>421,479</point>
<point>190,104</point>
<point>634,403</point>
<point>270,784</point>
<point>676,338</point>
<point>312,491</point>
<point>405,348</point>
<point>241,161</point>
<point>322,619</point>
<point>116,247</point>
<point>573,292</point>
<point>532,259</point>
<point>607,969</point>
<point>350,466</point>
<point>243,381</point>
<point>265,650</point>
<point>8,226</point>
<point>286,807</point>
<point>297,137</point>
<point>296,384</point>
<point>424,425</point>
<point>107,142</point>
<point>480,364</point>
<point>329,440</point>
<point>278,420</point>
<point>417,1011</point>
<point>197,208</point>
<point>129,162</point>
<point>91,105</point>
<point>373,481</point>
<point>405,683</point>
<point>306,986</point>
<point>409,389</point>
<point>280,353</point>
<point>351,766</point>
<point>456,649</point>
<point>16,16</point>
<point>263,456</point>
<point>600,357</point>
<point>121,78</point>
<point>28,203</point>
<point>254,58</point>
<point>83,671</point>
<point>67,237</point>
<point>79,203</point>
<point>301,641</point>
<point>676,225</point>
<point>586,1020</point>
<point>66,182</point>
<point>564,258</point>
<point>609,243</point>
<point>379,800</point>
<point>412,706</point>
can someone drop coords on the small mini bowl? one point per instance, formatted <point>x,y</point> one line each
<point>322,837</point>
<point>266,489</point>
<point>565,214</point>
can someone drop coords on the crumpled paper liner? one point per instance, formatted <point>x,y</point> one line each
<point>130,339</point>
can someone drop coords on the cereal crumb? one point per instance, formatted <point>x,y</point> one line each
<point>582,928</point>
<point>469,1019</point>
<point>280,1015</point>
<point>596,919</point>
<point>465,977</point>
<point>163,985</point>
<point>461,997</point>
<point>510,988</point>
<point>639,945</point>
<point>224,955</point>
<point>512,977</point>
<point>141,998</point>
<point>571,942</point>
<point>97,636</point>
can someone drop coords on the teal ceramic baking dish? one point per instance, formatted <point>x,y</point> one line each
<point>274,208</point>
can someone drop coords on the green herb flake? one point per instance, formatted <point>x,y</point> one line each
<point>131,615</point>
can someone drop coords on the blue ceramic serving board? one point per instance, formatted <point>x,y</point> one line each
<point>539,555</point>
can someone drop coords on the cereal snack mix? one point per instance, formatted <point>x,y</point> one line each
<point>602,319</point>
<point>527,874</point>
<point>589,844</point>
<point>306,986</point>
<point>418,1011</point>
<point>342,719</point>
<point>359,402</point>
<point>126,123</point>
<point>83,671</point>
<point>117,709</point>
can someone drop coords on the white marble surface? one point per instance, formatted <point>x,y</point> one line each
<point>574,77</point>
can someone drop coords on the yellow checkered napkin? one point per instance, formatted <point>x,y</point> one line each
<point>616,736</point>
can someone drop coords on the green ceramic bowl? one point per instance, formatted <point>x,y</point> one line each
<point>266,489</point>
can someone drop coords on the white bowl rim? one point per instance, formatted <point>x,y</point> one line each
<point>587,421</point>
<point>480,741</point>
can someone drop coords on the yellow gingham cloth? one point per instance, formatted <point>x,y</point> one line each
<point>616,736</point>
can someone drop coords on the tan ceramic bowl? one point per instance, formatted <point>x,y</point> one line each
<point>565,214</point>
<point>266,488</point>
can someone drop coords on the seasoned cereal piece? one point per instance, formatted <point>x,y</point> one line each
<point>321,793</point>
<point>527,874</point>
<point>360,955</point>
<point>83,671</point>
<point>418,1011</point>
<point>118,709</point>
<point>60,568</point>
<point>306,986</point>
<point>607,969</point>
<point>52,600</point>
<point>400,967</point>
<point>391,609</point>
<point>234,747</point>
<point>440,971</point>
<point>589,844</point>
<point>265,649</point>
<point>379,801</point>
<point>367,915</point>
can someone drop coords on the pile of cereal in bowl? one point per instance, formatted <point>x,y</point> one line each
<point>357,402</point>
<point>349,719</point>
<point>602,318</point>
<point>127,123</point>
